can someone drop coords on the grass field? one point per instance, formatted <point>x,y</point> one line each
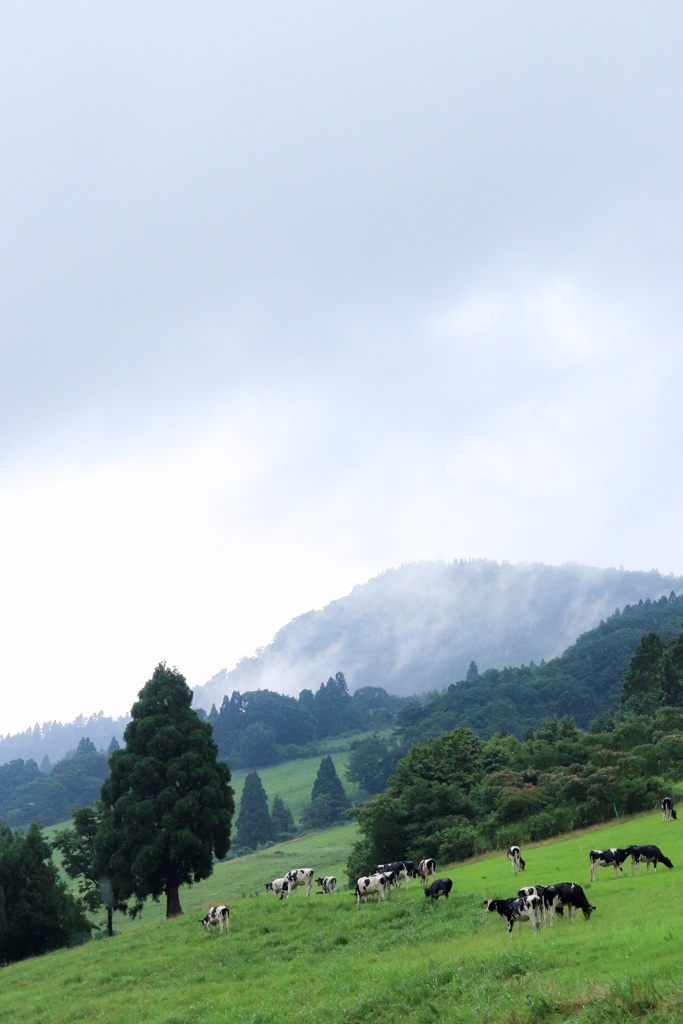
<point>408,960</point>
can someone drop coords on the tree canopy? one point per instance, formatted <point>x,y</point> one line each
<point>167,806</point>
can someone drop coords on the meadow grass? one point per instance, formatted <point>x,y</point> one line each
<point>408,960</point>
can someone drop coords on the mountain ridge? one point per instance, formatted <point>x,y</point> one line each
<point>417,628</point>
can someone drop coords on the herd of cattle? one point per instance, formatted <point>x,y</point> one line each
<point>537,904</point>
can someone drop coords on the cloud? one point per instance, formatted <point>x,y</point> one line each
<point>292,296</point>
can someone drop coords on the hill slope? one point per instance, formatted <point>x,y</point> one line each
<point>417,628</point>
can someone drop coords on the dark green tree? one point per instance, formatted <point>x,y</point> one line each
<point>282,819</point>
<point>37,912</point>
<point>167,806</point>
<point>77,846</point>
<point>472,672</point>
<point>371,763</point>
<point>328,799</point>
<point>254,824</point>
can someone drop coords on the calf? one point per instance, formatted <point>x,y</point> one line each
<point>425,868</point>
<point>536,890</point>
<point>441,887</point>
<point>515,857</point>
<point>369,884</point>
<point>614,857</point>
<point>517,908</point>
<point>280,886</point>
<point>402,869</point>
<point>300,876</point>
<point>327,884</point>
<point>648,855</point>
<point>668,812</point>
<point>565,894</point>
<point>217,915</point>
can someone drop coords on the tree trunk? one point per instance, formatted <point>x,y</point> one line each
<point>173,908</point>
<point>110,921</point>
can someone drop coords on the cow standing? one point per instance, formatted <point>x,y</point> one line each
<point>327,884</point>
<point>441,887</point>
<point>280,886</point>
<point>217,916</point>
<point>647,855</point>
<point>668,812</point>
<point>300,876</point>
<point>514,855</point>
<point>563,895</point>
<point>426,868</point>
<point>371,883</point>
<point>614,857</point>
<point>517,908</point>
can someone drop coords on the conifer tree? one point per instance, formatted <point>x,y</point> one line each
<point>167,806</point>
<point>328,799</point>
<point>282,819</point>
<point>254,825</point>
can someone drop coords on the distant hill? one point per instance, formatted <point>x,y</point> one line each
<point>417,629</point>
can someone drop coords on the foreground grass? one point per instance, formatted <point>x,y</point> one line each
<point>409,960</point>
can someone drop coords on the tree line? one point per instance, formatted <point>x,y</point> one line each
<point>458,794</point>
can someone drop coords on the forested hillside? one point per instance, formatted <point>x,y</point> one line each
<point>582,684</point>
<point>457,794</point>
<point>416,629</point>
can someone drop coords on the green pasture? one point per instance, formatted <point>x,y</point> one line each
<point>293,781</point>
<point>410,960</point>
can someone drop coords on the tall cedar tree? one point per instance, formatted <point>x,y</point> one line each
<point>167,806</point>
<point>328,799</point>
<point>254,825</point>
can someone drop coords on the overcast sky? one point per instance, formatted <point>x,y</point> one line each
<point>296,292</point>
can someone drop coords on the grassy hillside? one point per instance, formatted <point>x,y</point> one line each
<point>409,960</point>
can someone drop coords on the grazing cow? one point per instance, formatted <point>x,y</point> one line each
<point>327,884</point>
<point>217,915</point>
<point>515,857</point>
<point>300,876</point>
<point>614,857</point>
<point>369,884</point>
<point>425,868</point>
<point>280,886</point>
<point>441,887</point>
<point>648,855</point>
<point>668,812</point>
<point>402,869</point>
<point>517,908</point>
<point>565,894</point>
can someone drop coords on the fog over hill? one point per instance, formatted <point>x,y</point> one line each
<point>417,628</point>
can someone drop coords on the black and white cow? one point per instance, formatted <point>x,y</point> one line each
<point>371,883</point>
<point>537,890</point>
<point>327,884</point>
<point>404,870</point>
<point>614,857</point>
<point>280,886</point>
<point>668,812</point>
<point>565,894</point>
<point>441,887</point>
<point>218,915</point>
<point>514,855</point>
<point>426,868</point>
<point>647,855</point>
<point>300,876</point>
<point>517,908</point>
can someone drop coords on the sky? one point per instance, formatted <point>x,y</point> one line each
<point>295,293</point>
